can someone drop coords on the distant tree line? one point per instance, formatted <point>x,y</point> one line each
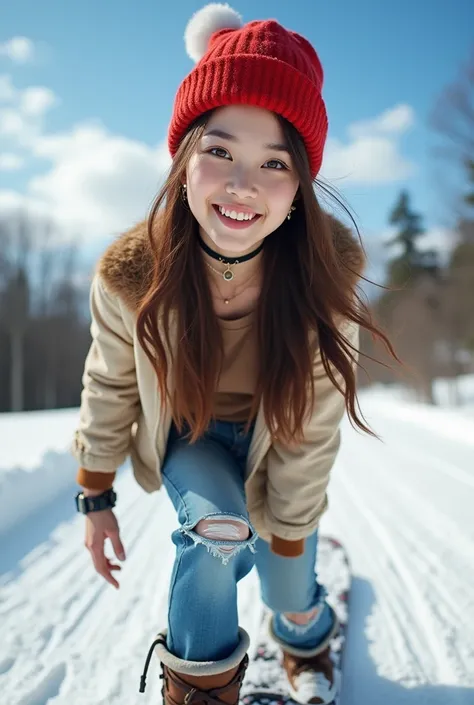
<point>428,307</point>
<point>44,332</point>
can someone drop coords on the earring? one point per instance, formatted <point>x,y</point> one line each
<point>293,208</point>
<point>184,193</point>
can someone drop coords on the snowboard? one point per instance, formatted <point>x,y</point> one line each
<point>265,681</point>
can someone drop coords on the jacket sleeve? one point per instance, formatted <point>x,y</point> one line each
<point>110,400</point>
<point>297,476</point>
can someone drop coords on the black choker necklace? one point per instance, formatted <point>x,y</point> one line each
<point>229,260</point>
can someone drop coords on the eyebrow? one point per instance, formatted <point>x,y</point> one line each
<point>276,146</point>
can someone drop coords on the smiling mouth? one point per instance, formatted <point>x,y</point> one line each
<point>235,214</point>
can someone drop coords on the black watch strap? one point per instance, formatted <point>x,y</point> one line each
<point>106,500</point>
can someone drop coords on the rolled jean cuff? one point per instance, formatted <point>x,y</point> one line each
<point>203,668</point>
<point>305,651</point>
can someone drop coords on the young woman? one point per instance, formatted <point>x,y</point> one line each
<point>225,332</point>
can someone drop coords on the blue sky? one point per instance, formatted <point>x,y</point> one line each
<point>85,104</point>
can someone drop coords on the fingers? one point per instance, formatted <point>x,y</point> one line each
<point>117,545</point>
<point>98,529</point>
<point>113,566</point>
<point>103,565</point>
<point>105,569</point>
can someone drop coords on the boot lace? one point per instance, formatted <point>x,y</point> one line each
<point>196,695</point>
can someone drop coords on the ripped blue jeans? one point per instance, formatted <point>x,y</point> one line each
<point>216,546</point>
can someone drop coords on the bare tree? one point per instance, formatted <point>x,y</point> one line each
<point>42,328</point>
<point>452,119</point>
<point>16,242</point>
<point>416,331</point>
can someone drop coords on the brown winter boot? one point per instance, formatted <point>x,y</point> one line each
<point>313,678</point>
<point>211,690</point>
<point>203,683</point>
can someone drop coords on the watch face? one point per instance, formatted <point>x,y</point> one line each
<point>81,503</point>
<point>105,500</point>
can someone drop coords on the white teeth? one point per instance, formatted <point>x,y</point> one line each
<point>235,215</point>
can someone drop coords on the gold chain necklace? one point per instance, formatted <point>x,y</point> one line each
<point>228,275</point>
<point>227,300</point>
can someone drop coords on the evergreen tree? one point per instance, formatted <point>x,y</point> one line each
<point>404,269</point>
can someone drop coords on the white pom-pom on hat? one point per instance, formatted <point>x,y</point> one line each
<point>204,23</point>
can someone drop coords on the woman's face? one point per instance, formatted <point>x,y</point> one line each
<point>240,165</point>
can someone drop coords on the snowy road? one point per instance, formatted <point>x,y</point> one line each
<point>404,509</point>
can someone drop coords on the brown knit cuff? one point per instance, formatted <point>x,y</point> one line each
<point>288,549</point>
<point>95,480</point>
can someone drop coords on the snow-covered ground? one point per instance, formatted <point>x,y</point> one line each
<point>403,507</point>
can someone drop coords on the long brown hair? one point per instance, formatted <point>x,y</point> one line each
<point>306,290</point>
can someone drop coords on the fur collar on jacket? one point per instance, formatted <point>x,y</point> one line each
<point>127,264</point>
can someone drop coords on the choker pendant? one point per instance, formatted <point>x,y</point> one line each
<point>228,274</point>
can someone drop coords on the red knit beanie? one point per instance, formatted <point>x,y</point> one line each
<point>260,63</point>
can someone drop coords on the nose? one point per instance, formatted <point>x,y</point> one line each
<point>241,185</point>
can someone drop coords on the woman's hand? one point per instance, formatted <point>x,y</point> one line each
<point>100,526</point>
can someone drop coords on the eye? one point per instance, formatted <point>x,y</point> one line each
<point>279,164</point>
<point>218,149</point>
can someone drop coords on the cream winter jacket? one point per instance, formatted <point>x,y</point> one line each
<point>120,406</point>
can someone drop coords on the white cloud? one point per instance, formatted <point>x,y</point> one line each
<point>99,183</point>
<point>22,119</point>
<point>7,89</point>
<point>372,154</point>
<point>393,121</point>
<point>10,162</point>
<point>18,49</point>
<point>18,130</point>
<point>37,100</point>
<point>96,183</point>
<point>11,122</point>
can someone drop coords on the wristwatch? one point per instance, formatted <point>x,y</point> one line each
<point>106,500</point>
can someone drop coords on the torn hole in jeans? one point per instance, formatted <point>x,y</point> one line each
<point>222,539</point>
